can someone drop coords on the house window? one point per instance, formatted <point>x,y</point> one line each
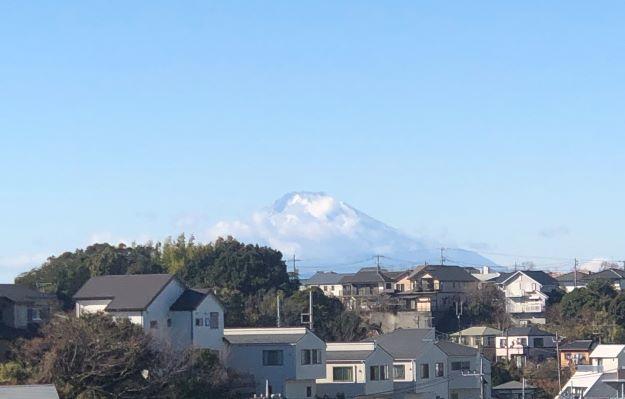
<point>377,373</point>
<point>521,341</point>
<point>389,286</point>
<point>439,369</point>
<point>198,322</point>
<point>168,322</point>
<point>214,320</point>
<point>309,392</point>
<point>154,324</point>
<point>311,356</point>
<point>539,342</point>
<point>425,370</point>
<point>502,343</point>
<point>460,366</point>
<point>331,288</point>
<point>272,358</point>
<point>342,374</point>
<point>399,287</point>
<point>399,371</point>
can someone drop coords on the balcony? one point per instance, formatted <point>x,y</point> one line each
<point>589,368</point>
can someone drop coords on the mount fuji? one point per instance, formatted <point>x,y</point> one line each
<point>325,231</point>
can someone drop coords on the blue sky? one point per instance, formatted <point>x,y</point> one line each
<point>487,125</point>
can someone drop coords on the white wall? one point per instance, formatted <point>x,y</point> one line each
<point>436,385</point>
<point>379,357</point>
<point>159,309</point>
<point>180,332</point>
<point>297,389</point>
<point>203,336</point>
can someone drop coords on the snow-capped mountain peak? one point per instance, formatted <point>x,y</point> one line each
<point>315,225</point>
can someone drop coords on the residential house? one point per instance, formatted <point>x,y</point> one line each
<point>161,304</point>
<point>435,290</point>
<point>285,361</point>
<point>468,372</point>
<point>328,282</point>
<point>519,344</point>
<point>515,390</point>
<point>604,378</point>
<point>481,337</point>
<point>419,366</point>
<point>401,280</point>
<point>21,306</point>
<point>576,352</point>
<point>575,279</point>
<point>580,279</point>
<point>355,369</point>
<point>364,289</point>
<point>44,391</point>
<point>527,292</point>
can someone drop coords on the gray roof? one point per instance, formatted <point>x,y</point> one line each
<point>260,338</point>
<point>570,277</point>
<point>608,274</point>
<point>28,392</point>
<point>21,293</point>
<point>367,275</point>
<point>325,278</point>
<point>503,276</point>
<point>127,292</point>
<point>405,343</point>
<point>190,299</point>
<point>446,273</point>
<point>514,385</point>
<point>454,349</point>
<point>578,345</point>
<point>527,331</point>
<point>537,275</point>
<point>347,355</point>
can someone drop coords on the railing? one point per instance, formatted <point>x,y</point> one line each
<point>589,368</point>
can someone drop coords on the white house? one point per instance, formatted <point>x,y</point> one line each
<point>526,294</point>
<point>356,368</point>
<point>159,303</point>
<point>43,391</point>
<point>419,366</point>
<point>604,378</point>
<point>285,361</point>
<point>468,372</point>
<point>328,282</point>
<point>521,343</point>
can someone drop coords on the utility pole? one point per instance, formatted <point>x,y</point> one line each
<point>481,377</point>
<point>575,274</point>
<point>558,359</point>
<point>295,273</point>
<point>377,261</point>
<point>523,389</point>
<point>278,321</point>
<point>310,310</point>
<point>459,312</point>
<point>442,256</point>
